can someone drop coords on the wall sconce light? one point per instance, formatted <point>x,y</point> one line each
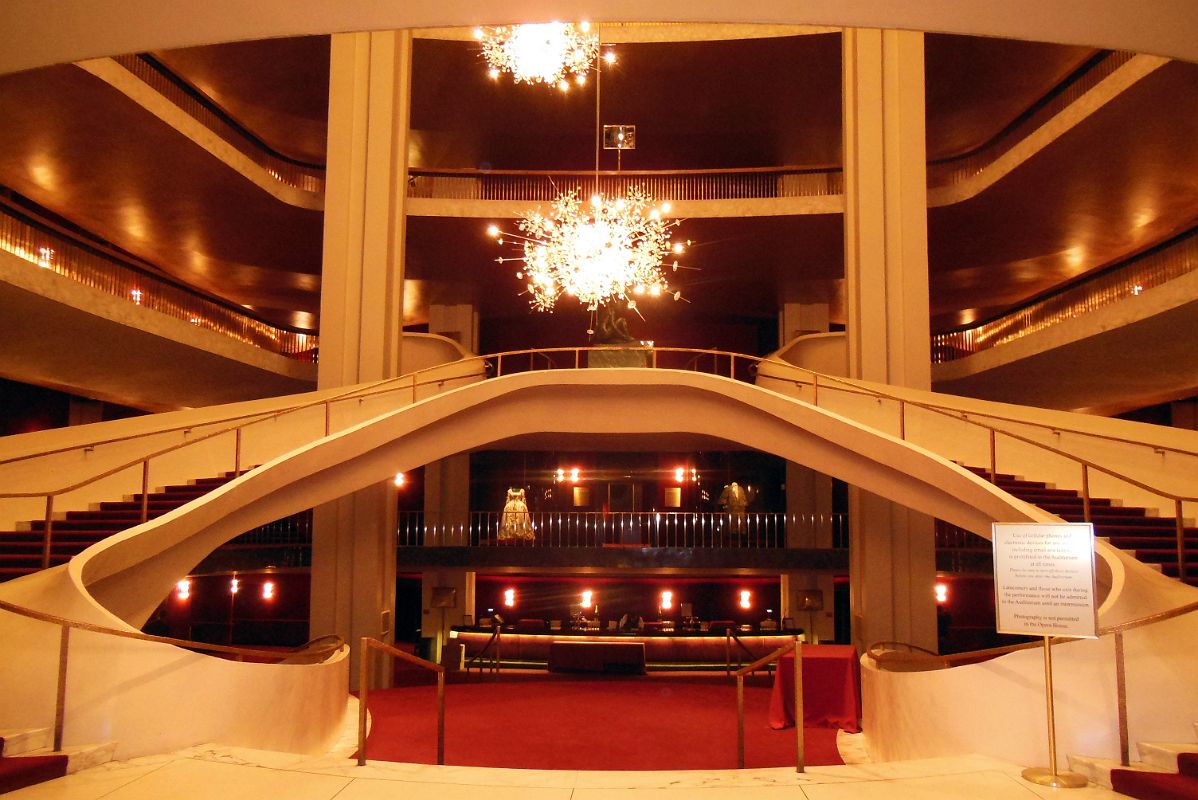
<point>941,590</point>
<point>509,598</point>
<point>667,600</point>
<point>400,479</point>
<point>746,598</point>
<point>587,598</point>
<point>574,475</point>
<point>235,586</point>
<point>183,589</point>
<point>136,295</point>
<point>268,590</point>
<point>679,474</point>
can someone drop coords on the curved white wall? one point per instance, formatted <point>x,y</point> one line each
<point>38,33</point>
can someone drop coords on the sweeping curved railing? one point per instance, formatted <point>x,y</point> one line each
<point>54,249</point>
<point>1115,284</point>
<point>312,650</point>
<point>888,658</point>
<point>735,366</point>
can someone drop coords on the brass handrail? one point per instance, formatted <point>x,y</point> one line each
<point>877,652</point>
<point>365,674</point>
<point>411,380</point>
<point>66,625</point>
<point>494,640</point>
<point>962,416</point>
<point>795,647</point>
<point>732,635</point>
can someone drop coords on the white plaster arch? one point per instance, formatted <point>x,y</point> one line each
<point>128,574</point>
<point>37,33</point>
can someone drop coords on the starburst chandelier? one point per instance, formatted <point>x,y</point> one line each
<point>550,52</point>
<point>605,251</point>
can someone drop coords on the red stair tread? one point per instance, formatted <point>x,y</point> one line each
<point>1187,764</point>
<point>1154,785</point>
<point>17,772</point>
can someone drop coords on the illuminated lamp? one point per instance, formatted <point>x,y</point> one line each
<point>400,479</point>
<point>561,475</point>
<point>136,294</point>
<point>941,590</point>
<point>183,589</point>
<point>587,597</point>
<point>667,600</point>
<point>574,473</point>
<point>679,474</point>
<point>746,598</point>
<point>509,598</point>
<point>268,590</point>
<point>234,586</point>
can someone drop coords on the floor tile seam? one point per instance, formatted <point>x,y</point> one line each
<point>133,780</point>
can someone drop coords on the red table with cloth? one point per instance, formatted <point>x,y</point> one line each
<point>831,689</point>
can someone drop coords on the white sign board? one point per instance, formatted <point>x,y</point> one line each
<point>1044,579</point>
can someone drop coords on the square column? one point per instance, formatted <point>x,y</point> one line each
<point>361,318</point>
<point>892,559</point>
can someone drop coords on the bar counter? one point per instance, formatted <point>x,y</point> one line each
<point>684,648</point>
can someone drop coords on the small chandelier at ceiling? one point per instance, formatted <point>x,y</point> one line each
<point>601,252</point>
<point>550,52</point>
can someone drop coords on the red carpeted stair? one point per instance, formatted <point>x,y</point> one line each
<point>21,551</point>
<point>1151,539</point>
<point>17,772</point>
<point>552,721</point>
<point>1182,785</point>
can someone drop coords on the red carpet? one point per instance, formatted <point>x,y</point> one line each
<point>21,771</point>
<point>1154,785</point>
<point>543,721</point>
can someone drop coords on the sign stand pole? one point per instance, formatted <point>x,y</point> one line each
<point>1050,776</point>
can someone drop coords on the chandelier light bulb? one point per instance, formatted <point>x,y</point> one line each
<point>548,53</point>
<point>603,252</point>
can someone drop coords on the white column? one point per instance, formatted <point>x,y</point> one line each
<point>893,562</point>
<point>361,317</point>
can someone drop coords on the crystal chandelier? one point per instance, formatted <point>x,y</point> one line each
<point>549,52</point>
<point>601,252</point>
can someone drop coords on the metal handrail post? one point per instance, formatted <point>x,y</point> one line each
<point>1121,699</point>
<point>1181,540</point>
<point>800,755</point>
<point>48,532</point>
<point>363,695</point>
<point>1085,492</point>
<point>145,490</point>
<point>440,718</point>
<point>740,721</point>
<point>60,700</point>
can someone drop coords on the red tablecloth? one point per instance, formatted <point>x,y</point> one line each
<point>831,689</point>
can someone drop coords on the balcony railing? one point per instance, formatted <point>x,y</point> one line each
<point>688,529</point>
<point>952,171</point>
<point>45,247</point>
<point>1117,284</point>
<point>305,177</point>
<point>535,187</point>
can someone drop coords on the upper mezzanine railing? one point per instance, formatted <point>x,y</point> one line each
<point>48,247</point>
<point>291,172</point>
<point>675,185</point>
<point>1117,284</point>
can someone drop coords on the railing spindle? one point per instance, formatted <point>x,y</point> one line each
<point>60,701</point>
<point>48,532</point>
<point>145,490</point>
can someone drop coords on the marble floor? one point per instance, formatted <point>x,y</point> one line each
<point>231,773</point>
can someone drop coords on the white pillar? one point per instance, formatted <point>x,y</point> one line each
<point>361,316</point>
<point>892,557</point>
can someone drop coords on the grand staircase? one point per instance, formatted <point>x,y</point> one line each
<point>1149,538</point>
<point>21,551</point>
<point>1166,771</point>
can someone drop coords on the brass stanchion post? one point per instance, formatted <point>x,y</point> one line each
<point>800,755</point>
<point>441,718</point>
<point>363,692</point>
<point>1040,775</point>
<point>740,721</point>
